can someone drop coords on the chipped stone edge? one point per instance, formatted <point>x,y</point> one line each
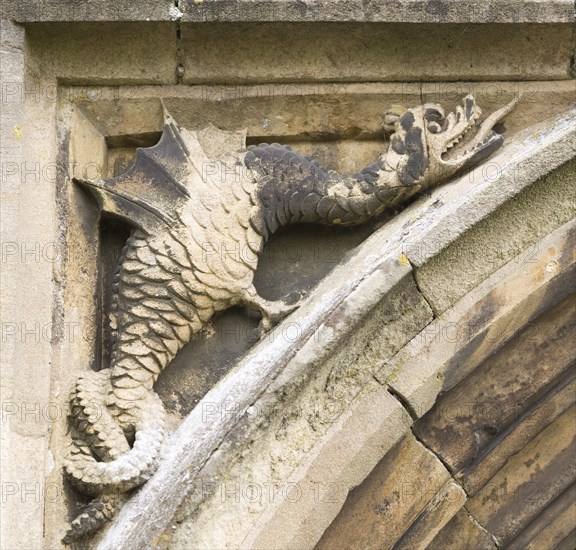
<point>417,371</point>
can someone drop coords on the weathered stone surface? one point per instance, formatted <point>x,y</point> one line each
<point>38,370</point>
<point>94,10</point>
<point>439,511</point>
<point>323,381</point>
<point>453,345</point>
<point>346,456</point>
<point>413,11</point>
<point>476,413</point>
<point>397,491</point>
<point>543,207</point>
<point>550,527</point>
<point>389,244</point>
<point>568,542</point>
<point>529,482</point>
<point>306,114</point>
<point>320,327</point>
<point>81,54</point>
<point>29,333</point>
<point>533,421</point>
<point>389,52</point>
<point>462,532</point>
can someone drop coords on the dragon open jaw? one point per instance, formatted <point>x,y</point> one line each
<point>429,146</point>
<point>460,146</point>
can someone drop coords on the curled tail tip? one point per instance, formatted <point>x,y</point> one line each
<point>99,512</point>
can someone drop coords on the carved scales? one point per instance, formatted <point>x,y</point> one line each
<point>191,199</point>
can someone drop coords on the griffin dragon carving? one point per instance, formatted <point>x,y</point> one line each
<point>167,287</point>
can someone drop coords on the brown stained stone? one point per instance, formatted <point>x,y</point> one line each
<point>551,527</point>
<point>379,511</point>
<point>471,416</point>
<point>303,52</point>
<point>457,342</point>
<point>344,458</point>
<point>437,513</point>
<point>102,53</point>
<point>569,543</point>
<point>529,482</point>
<point>553,405</point>
<point>462,532</point>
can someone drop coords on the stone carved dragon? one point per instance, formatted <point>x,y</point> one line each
<point>193,198</point>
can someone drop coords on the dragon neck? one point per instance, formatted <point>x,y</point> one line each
<point>296,189</point>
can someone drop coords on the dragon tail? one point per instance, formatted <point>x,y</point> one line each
<point>101,510</point>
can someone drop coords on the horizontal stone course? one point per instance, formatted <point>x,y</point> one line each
<point>217,53</point>
<point>413,11</point>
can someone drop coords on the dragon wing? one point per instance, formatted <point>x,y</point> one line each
<point>163,178</point>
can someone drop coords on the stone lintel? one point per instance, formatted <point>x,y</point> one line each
<point>409,11</point>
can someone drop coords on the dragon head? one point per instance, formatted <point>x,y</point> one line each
<point>427,146</point>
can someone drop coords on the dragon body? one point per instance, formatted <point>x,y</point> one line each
<point>202,206</point>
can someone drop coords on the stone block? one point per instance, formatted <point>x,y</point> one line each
<point>314,393</point>
<point>410,11</point>
<point>454,344</point>
<point>379,511</point>
<point>479,411</point>
<point>438,512</point>
<point>102,10</point>
<point>462,532</point>
<point>239,52</point>
<point>551,527</point>
<point>529,482</point>
<point>481,250</point>
<point>555,403</point>
<point>344,458</point>
<point>82,53</point>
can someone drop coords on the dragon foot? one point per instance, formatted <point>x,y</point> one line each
<point>273,311</point>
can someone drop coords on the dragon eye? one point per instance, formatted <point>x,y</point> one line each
<point>432,113</point>
<point>434,128</point>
